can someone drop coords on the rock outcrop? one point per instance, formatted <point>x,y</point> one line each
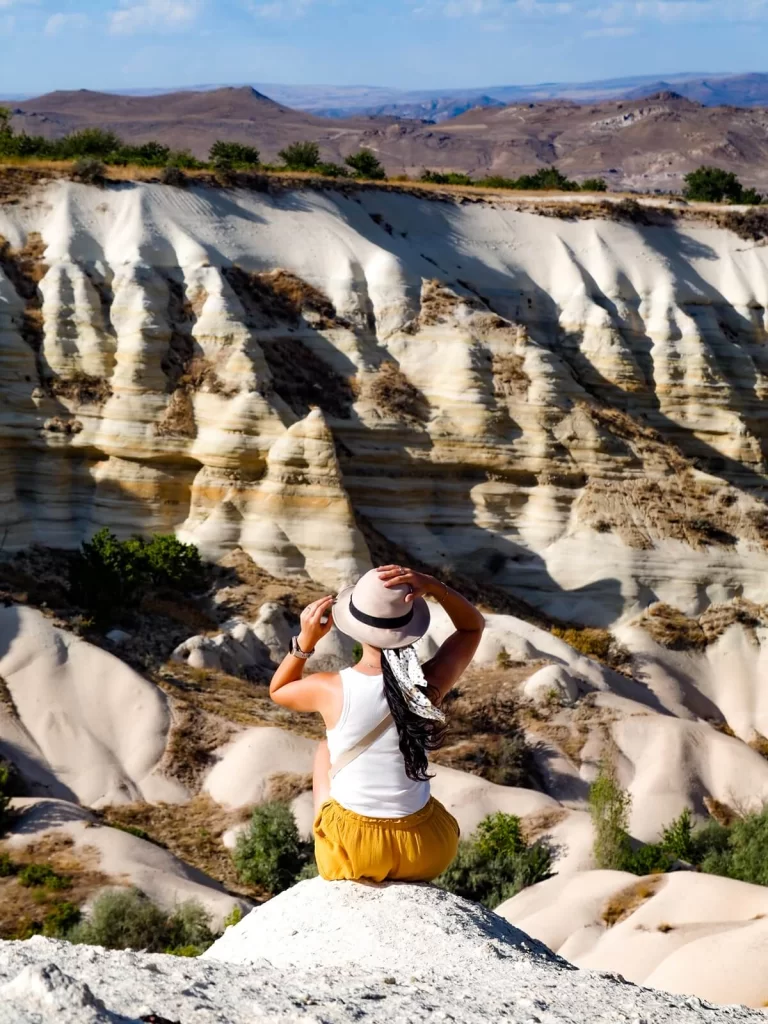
<point>569,409</point>
<point>337,952</point>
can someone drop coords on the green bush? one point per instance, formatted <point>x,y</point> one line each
<point>127,919</point>
<point>333,171</point>
<point>90,142</point>
<point>183,158</point>
<point>7,867</point>
<point>714,185</point>
<point>496,862</point>
<point>234,154</point>
<point>271,853</point>
<point>109,574</point>
<point>301,156</point>
<point>365,164</point>
<point>60,920</point>
<point>174,177</point>
<point>447,178</point>
<point>740,851</point>
<point>35,876</point>
<point>89,170</point>
<point>545,179</point>
<point>234,917</point>
<point>594,185</point>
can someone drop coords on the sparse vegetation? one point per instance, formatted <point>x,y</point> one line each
<point>714,185</point>
<point>393,393</point>
<point>271,854</point>
<point>89,170</point>
<point>233,155</point>
<point>301,156</point>
<point>366,165</point>
<point>446,178</point>
<point>548,179</point>
<point>497,862</point>
<point>127,919</point>
<point>593,643</point>
<point>609,807</point>
<point>108,574</point>
<point>594,185</point>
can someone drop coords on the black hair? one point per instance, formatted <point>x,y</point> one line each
<point>417,735</point>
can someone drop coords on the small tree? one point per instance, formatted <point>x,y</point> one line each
<point>5,121</point>
<point>301,156</point>
<point>90,142</point>
<point>234,154</point>
<point>365,164</point>
<point>271,853</point>
<point>713,185</point>
<point>609,806</point>
<point>594,185</point>
<point>168,562</point>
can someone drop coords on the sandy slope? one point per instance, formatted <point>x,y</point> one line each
<point>686,932</point>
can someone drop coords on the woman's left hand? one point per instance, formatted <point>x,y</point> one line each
<point>398,575</point>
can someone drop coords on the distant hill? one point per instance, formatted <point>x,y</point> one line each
<point>641,144</point>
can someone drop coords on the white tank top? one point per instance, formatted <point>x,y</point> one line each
<point>375,783</point>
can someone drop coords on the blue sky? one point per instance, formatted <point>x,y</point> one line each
<point>66,44</point>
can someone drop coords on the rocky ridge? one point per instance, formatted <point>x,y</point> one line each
<point>453,961</point>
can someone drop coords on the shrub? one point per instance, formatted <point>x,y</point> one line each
<point>90,142</point>
<point>184,159</point>
<point>365,164</point>
<point>714,185</point>
<point>301,156</point>
<point>271,853</point>
<point>609,807</point>
<point>89,171</point>
<point>594,185</point>
<point>149,154</point>
<point>496,862</point>
<point>740,851</point>
<point>109,574</point>
<point>234,154</point>
<point>233,918</point>
<point>333,171</point>
<point>593,643</point>
<point>35,876</point>
<point>7,867</point>
<point>174,177</point>
<point>60,920</point>
<point>447,178</point>
<point>127,919</point>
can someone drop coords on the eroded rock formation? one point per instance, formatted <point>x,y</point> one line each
<point>571,410</point>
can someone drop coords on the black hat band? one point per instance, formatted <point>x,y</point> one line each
<point>372,620</point>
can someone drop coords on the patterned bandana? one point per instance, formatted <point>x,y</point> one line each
<point>407,671</point>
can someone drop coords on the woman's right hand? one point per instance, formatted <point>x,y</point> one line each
<point>312,629</point>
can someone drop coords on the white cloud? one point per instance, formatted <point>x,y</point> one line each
<point>610,12</point>
<point>153,16</point>
<point>279,10</point>
<point>60,22</point>
<point>610,32</point>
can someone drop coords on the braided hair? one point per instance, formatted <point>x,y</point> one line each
<point>417,735</point>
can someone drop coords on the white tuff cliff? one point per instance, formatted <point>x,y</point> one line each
<point>571,409</point>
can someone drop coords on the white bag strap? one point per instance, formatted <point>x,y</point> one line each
<point>359,748</point>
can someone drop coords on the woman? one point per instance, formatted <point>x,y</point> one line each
<point>375,817</point>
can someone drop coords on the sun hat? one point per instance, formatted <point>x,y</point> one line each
<point>379,615</point>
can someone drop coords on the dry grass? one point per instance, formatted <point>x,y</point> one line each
<point>279,297</point>
<point>591,642</point>
<point>232,699</point>
<point>509,377</point>
<point>193,738</point>
<point>665,928</point>
<point>178,420</point>
<point>244,587</point>
<point>6,699</point>
<point>192,832</point>
<point>24,268</point>
<point>286,786</point>
<point>678,632</point>
<point>720,812</point>
<point>393,393</point>
<point>22,910</point>
<point>303,380</point>
<point>80,388</point>
<point>536,826</point>
<point>623,904</point>
<point>200,375</point>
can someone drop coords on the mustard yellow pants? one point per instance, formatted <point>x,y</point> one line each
<point>413,849</point>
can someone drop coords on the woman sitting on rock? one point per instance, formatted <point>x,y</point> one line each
<point>375,817</point>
